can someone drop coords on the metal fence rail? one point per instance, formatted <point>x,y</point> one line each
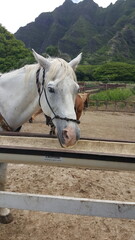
<point>68,205</point>
<point>69,158</point>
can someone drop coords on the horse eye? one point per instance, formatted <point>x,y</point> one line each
<point>51,90</point>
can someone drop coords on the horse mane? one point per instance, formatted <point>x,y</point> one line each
<point>25,68</point>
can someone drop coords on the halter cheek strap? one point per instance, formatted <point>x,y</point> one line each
<point>41,89</point>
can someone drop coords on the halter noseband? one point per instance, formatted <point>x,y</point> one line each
<point>41,89</point>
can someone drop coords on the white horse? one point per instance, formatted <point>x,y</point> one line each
<point>50,84</point>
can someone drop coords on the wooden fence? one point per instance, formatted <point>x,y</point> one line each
<point>113,106</point>
<point>99,87</point>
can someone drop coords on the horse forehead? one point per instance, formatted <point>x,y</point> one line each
<point>66,83</point>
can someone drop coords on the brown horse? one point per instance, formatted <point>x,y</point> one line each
<point>34,115</point>
<point>81,103</point>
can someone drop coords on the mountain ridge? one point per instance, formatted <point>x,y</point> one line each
<point>102,34</point>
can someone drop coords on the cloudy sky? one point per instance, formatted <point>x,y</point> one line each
<point>15,13</point>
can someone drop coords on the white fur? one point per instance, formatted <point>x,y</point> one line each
<point>19,97</point>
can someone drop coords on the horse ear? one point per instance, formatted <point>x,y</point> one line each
<point>74,63</point>
<point>41,60</point>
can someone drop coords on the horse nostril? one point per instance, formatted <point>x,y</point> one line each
<point>65,134</point>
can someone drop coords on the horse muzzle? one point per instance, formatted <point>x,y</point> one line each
<point>69,135</point>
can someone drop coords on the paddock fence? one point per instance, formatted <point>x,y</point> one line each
<point>67,158</point>
<point>112,106</point>
<point>84,86</point>
<point>106,105</point>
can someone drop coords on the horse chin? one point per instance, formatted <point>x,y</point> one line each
<point>69,135</point>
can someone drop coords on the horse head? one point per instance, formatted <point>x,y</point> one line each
<point>58,90</point>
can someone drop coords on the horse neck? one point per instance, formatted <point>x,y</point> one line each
<point>20,101</point>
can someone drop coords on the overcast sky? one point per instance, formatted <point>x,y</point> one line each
<point>15,14</point>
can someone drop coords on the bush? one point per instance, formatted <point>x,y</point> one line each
<point>109,72</point>
<point>120,72</point>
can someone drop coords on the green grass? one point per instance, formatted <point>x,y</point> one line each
<point>118,94</point>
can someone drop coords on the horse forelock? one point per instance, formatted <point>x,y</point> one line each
<point>59,70</point>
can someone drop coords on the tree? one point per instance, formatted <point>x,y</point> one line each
<point>13,53</point>
<point>52,51</point>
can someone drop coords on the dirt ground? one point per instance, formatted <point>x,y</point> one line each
<point>29,225</point>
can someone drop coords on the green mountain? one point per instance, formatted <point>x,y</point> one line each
<point>102,34</point>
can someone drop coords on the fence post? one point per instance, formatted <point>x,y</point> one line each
<point>106,105</point>
<point>96,104</point>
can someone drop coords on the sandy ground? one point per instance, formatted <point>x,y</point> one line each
<point>28,225</point>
